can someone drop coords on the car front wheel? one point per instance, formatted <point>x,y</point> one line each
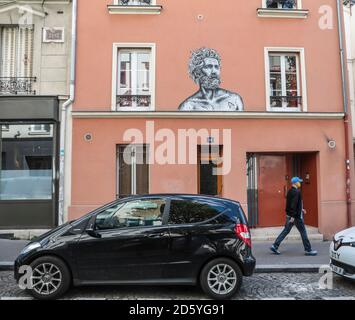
<point>50,278</point>
<point>221,278</point>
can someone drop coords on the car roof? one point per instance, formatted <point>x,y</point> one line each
<point>181,195</point>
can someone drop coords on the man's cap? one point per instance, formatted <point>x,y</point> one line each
<point>296,179</point>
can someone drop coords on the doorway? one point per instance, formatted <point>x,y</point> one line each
<point>209,160</point>
<point>269,178</point>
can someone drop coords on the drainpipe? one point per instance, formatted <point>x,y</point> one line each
<point>65,107</point>
<point>346,109</point>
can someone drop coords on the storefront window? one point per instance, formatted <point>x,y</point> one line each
<point>26,169</point>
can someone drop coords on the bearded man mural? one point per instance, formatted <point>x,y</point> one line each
<point>205,70</point>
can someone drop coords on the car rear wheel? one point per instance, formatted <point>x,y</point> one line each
<point>221,278</point>
<point>50,278</point>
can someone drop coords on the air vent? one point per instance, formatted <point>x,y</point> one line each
<point>53,35</point>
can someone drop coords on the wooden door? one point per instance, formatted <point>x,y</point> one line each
<point>272,189</point>
<point>309,188</point>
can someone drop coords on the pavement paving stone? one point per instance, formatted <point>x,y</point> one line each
<point>274,286</point>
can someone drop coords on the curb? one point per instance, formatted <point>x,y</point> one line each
<point>291,268</point>
<point>6,266</point>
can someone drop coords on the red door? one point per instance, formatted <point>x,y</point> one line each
<point>272,189</point>
<point>309,188</point>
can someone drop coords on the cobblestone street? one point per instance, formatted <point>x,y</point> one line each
<point>297,286</point>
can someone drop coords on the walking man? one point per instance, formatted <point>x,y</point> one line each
<point>294,212</point>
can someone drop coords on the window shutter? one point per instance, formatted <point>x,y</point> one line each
<point>24,52</point>
<point>8,50</point>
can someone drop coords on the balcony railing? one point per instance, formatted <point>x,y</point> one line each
<point>284,4</point>
<point>17,85</point>
<point>134,7</point>
<point>285,102</point>
<point>135,2</point>
<point>134,101</point>
<point>349,2</point>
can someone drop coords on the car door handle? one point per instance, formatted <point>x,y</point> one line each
<point>157,235</point>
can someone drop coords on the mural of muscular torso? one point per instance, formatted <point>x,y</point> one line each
<point>205,70</point>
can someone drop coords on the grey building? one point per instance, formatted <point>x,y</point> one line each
<point>34,83</point>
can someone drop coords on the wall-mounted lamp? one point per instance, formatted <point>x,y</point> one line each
<point>88,137</point>
<point>332,144</point>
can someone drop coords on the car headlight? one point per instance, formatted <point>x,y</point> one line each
<point>30,247</point>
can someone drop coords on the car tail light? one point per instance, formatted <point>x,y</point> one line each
<point>242,232</point>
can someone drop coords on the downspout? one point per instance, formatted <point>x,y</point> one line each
<point>346,110</point>
<point>65,106</point>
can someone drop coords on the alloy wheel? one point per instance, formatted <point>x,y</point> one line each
<point>222,279</point>
<point>46,278</point>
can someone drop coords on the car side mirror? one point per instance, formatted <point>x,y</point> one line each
<point>93,233</point>
<point>90,229</point>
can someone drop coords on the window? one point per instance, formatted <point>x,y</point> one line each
<point>5,127</point>
<point>137,213</point>
<point>133,170</point>
<point>209,160</point>
<point>16,51</point>
<point>285,79</point>
<point>282,9</point>
<point>40,129</point>
<point>189,211</point>
<point>281,4</point>
<point>134,79</point>
<point>26,171</point>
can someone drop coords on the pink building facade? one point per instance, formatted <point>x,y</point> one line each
<point>258,81</point>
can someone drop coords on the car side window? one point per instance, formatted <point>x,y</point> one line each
<point>189,211</point>
<point>135,213</point>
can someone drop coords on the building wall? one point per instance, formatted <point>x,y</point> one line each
<point>240,36</point>
<point>94,165</point>
<point>233,29</point>
<point>50,60</point>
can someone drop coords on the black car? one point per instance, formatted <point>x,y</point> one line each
<point>148,240</point>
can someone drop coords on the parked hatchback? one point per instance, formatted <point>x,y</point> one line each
<point>342,253</point>
<point>148,240</point>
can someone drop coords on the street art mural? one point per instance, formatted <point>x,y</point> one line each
<point>205,70</point>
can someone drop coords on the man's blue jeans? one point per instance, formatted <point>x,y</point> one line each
<point>299,223</point>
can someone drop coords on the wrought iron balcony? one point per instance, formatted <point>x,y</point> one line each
<point>135,2</point>
<point>135,101</point>
<point>134,7</point>
<point>285,101</point>
<point>17,85</point>
<point>284,4</point>
<point>349,2</point>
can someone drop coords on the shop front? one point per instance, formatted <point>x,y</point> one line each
<point>29,128</point>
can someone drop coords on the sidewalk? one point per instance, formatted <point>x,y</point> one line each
<point>292,258</point>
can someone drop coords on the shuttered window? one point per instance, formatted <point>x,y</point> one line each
<point>16,49</point>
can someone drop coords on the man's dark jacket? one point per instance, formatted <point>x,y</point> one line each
<point>294,203</point>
